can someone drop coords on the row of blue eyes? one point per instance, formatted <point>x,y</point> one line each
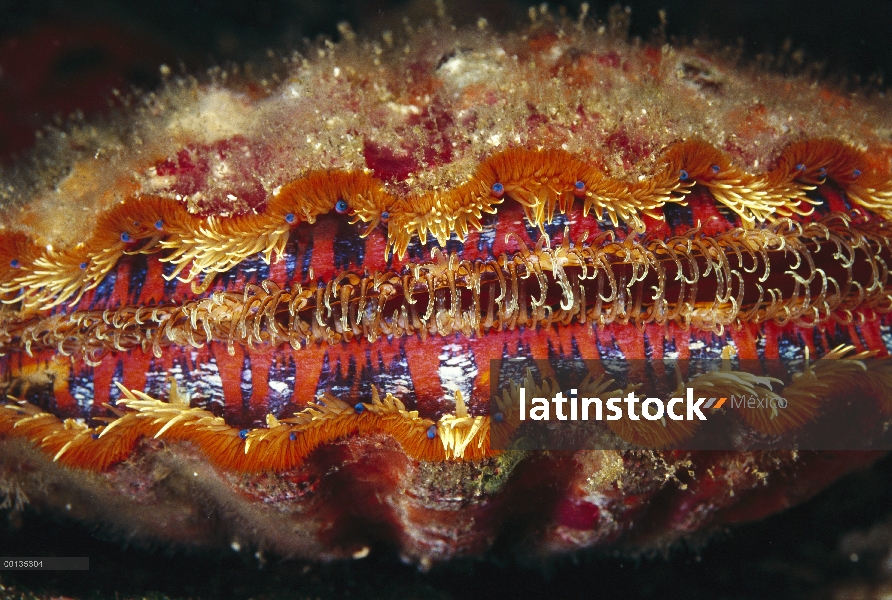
<point>359,408</point>
<point>498,189</point>
<point>431,431</point>
<point>243,434</point>
<point>341,205</point>
<point>683,175</point>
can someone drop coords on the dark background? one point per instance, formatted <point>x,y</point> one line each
<point>57,57</point>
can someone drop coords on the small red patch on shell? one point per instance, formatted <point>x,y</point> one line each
<point>576,515</point>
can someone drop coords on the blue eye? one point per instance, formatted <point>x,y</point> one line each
<point>715,168</point>
<point>83,266</point>
<point>292,436</point>
<point>800,167</point>
<point>683,175</point>
<point>125,237</point>
<point>431,432</point>
<point>856,172</point>
<point>498,417</point>
<point>14,263</point>
<point>243,434</point>
<point>289,218</point>
<point>341,206</point>
<point>385,216</point>
<point>498,190</point>
<point>159,224</point>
